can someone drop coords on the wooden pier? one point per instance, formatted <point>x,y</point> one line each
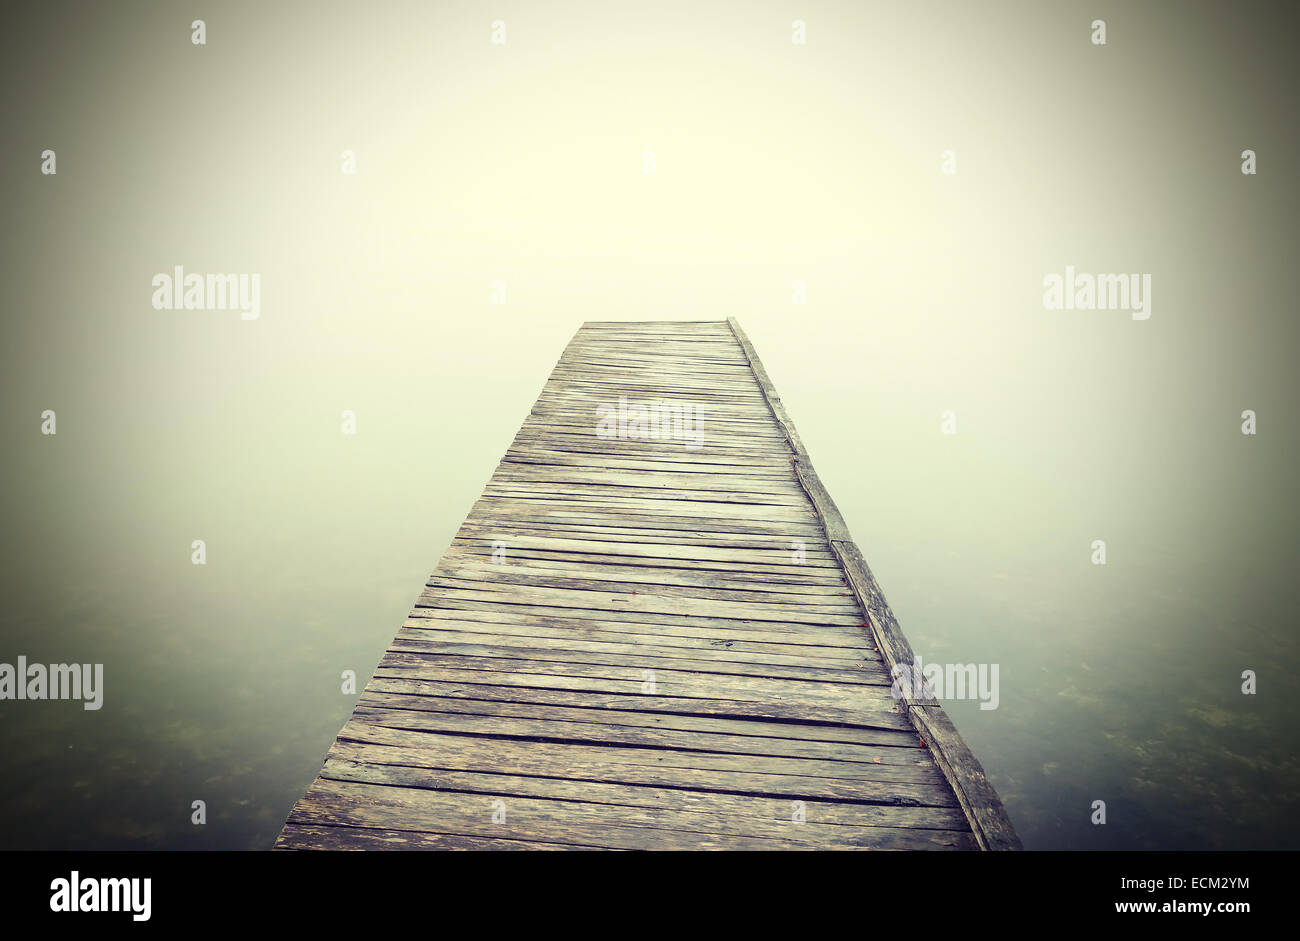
<point>652,631</point>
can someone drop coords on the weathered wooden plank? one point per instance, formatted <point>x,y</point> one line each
<point>644,547</point>
<point>682,516</point>
<point>668,645</point>
<point>300,836</point>
<point>607,453</point>
<point>693,682</point>
<point>491,511</point>
<point>596,579</point>
<point>423,799</point>
<point>553,458</point>
<point>640,480</point>
<point>887,734</point>
<point>839,713</point>
<point>831,640</point>
<point>371,763</point>
<point>592,592</point>
<point>792,778</point>
<point>611,608</point>
<point>645,495</point>
<point>820,582</point>
<point>719,662</point>
<point>903,752</point>
<point>463,551</point>
<point>733,604</point>
<point>705,502</point>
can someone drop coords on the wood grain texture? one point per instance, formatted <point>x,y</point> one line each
<point>649,633</point>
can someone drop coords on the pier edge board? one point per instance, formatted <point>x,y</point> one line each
<point>976,795</point>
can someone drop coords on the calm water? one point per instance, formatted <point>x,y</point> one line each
<point>481,164</point>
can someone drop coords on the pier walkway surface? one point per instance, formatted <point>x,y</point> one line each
<point>652,631</point>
